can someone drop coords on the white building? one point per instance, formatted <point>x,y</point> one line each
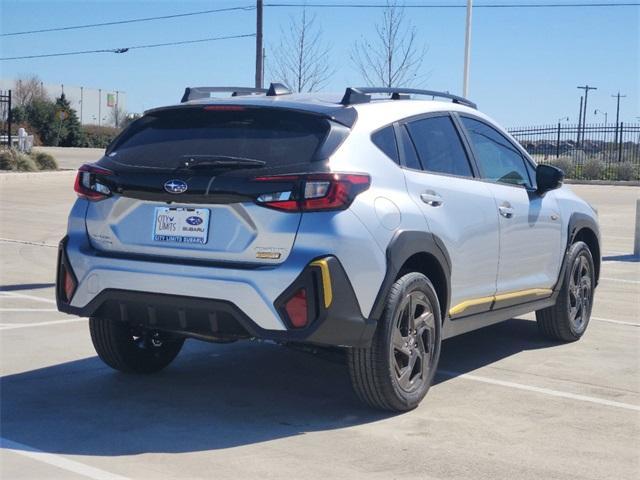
<point>94,105</point>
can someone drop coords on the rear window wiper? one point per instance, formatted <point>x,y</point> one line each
<point>193,162</point>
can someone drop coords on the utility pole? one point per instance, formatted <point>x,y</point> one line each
<point>579,121</point>
<point>467,50</point>
<point>586,89</point>
<point>259,49</point>
<point>618,96</point>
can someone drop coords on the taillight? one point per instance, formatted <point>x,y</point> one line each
<point>313,192</point>
<point>89,185</point>
<point>296,308</point>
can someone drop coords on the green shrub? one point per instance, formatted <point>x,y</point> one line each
<point>44,161</point>
<point>565,164</point>
<point>579,157</point>
<point>98,137</point>
<point>13,160</point>
<point>592,169</point>
<point>623,171</point>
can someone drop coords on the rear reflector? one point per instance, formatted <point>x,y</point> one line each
<point>296,308</point>
<point>68,284</point>
<point>89,184</point>
<point>313,192</point>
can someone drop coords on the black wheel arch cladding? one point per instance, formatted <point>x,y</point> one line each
<point>409,245</point>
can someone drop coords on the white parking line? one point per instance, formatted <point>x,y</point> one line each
<point>619,322</point>
<point>30,297</point>
<point>58,461</point>
<point>13,326</point>
<point>621,280</point>
<point>545,391</point>
<point>27,242</point>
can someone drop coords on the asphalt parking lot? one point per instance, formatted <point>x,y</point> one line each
<point>506,404</point>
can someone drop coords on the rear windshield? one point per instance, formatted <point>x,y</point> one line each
<point>163,139</point>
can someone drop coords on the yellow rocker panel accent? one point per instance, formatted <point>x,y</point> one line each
<point>462,306</point>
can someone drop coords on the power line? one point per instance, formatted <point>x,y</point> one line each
<point>434,5</point>
<point>132,20</point>
<point>315,5</point>
<point>126,49</point>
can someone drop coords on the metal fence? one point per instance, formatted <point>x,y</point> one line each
<point>5,117</point>
<point>593,151</point>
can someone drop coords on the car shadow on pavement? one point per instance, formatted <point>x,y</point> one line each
<point>621,258</point>
<point>25,286</point>
<point>212,397</point>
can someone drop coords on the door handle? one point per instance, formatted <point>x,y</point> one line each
<point>431,198</point>
<point>506,210</point>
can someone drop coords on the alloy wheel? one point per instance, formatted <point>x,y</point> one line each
<point>580,292</point>
<point>413,342</point>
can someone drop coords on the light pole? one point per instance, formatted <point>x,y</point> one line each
<point>467,50</point>
<point>81,103</point>
<point>606,115</point>
<point>563,119</point>
<point>259,49</point>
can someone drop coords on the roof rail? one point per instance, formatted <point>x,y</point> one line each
<point>362,95</point>
<point>194,93</point>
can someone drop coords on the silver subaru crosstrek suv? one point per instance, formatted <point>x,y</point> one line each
<point>372,222</point>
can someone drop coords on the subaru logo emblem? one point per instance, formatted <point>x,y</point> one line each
<point>175,186</point>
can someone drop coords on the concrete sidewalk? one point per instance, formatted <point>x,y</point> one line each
<point>70,158</point>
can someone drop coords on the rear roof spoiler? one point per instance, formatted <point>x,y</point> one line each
<point>363,95</point>
<point>194,93</point>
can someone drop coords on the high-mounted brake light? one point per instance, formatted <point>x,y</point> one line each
<point>224,108</point>
<point>313,192</point>
<point>88,184</point>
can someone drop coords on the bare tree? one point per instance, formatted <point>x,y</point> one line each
<point>393,58</point>
<point>301,60</point>
<point>28,89</point>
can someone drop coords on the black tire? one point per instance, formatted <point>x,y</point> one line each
<point>391,374</point>
<point>567,320</point>
<point>129,350</point>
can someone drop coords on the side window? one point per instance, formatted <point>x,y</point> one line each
<point>409,151</point>
<point>385,140</point>
<point>439,146</point>
<point>498,158</point>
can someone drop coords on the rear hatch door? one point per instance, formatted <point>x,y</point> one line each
<point>182,182</point>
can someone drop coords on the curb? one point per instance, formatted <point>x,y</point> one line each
<point>8,176</point>
<point>619,183</point>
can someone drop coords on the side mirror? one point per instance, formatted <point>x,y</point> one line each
<point>548,178</point>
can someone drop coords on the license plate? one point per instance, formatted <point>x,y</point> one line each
<point>181,225</point>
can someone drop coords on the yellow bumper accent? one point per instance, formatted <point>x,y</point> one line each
<point>462,306</point>
<point>326,281</point>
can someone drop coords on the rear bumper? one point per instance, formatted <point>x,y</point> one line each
<point>213,302</point>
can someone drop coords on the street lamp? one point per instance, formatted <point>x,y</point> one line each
<point>563,119</point>
<point>596,112</point>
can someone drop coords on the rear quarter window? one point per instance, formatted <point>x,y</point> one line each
<point>385,140</point>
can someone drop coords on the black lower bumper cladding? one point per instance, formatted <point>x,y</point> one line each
<point>340,324</point>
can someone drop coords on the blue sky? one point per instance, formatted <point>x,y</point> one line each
<point>526,63</point>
